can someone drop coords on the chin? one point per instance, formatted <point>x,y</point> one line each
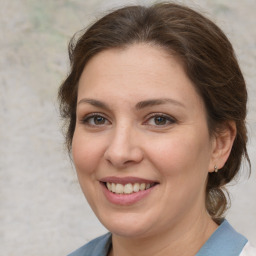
<point>132,226</point>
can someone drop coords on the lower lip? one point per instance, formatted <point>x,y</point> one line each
<point>126,199</point>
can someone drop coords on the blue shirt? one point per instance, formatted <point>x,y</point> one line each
<point>225,241</point>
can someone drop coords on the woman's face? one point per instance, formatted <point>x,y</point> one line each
<point>141,131</point>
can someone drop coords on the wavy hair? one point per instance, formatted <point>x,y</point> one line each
<point>208,59</point>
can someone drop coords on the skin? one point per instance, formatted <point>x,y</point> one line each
<point>177,152</point>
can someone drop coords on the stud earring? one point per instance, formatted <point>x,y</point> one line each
<point>215,168</point>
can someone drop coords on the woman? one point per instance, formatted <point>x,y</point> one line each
<point>155,105</point>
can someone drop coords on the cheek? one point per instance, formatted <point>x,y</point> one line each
<point>86,153</point>
<point>182,162</point>
<point>182,154</point>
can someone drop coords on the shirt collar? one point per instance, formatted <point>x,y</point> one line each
<point>225,241</point>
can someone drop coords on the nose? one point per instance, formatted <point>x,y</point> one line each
<point>124,148</point>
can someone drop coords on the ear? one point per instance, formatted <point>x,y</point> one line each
<point>222,144</point>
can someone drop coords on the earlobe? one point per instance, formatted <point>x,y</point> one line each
<point>223,142</point>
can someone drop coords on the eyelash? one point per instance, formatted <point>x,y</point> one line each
<point>167,118</point>
<point>87,118</point>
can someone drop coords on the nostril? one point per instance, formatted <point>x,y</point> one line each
<point>128,162</point>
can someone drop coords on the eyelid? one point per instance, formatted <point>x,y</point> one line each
<point>169,118</point>
<point>85,118</point>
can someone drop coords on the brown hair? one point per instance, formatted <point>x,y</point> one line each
<point>209,61</point>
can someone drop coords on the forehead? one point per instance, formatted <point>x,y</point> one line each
<point>140,70</point>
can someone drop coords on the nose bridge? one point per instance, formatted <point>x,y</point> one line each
<point>122,133</point>
<point>123,146</point>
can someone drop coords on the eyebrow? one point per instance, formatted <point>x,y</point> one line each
<point>156,102</point>
<point>138,106</point>
<point>95,103</point>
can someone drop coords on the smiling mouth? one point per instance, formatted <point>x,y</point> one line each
<point>128,188</point>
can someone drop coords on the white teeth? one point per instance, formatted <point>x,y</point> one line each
<point>136,187</point>
<point>127,188</point>
<point>142,186</point>
<point>119,188</point>
<point>113,187</point>
<point>109,186</point>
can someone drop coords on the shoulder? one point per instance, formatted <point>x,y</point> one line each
<point>97,247</point>
<point>248,250</point>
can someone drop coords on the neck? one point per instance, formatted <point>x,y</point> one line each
<point>193,233</point>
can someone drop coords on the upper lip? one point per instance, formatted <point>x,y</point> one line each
<point>126,180</point>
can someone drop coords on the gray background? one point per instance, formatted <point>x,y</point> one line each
<point>43,211</point>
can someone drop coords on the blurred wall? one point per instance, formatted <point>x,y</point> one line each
<point>43,211</point>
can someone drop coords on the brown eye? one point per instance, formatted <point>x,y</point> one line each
<point>95,120</point>
<point>99,120</point>
<point>159,120</point>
